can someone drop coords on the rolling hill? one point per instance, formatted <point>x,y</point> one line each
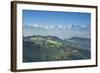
<point>51,48</point>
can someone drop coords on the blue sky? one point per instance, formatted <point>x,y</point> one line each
<point>43,18</point>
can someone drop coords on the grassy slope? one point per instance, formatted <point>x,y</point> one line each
<point>42,48</point>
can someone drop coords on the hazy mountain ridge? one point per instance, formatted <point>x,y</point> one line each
<point>80,42</point>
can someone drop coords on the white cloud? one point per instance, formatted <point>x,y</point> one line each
<point>35,25</point>
<point>59,26</point>
<point>47,27</point>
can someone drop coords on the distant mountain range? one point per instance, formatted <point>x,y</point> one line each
<point>63,32</point>
<point>59,26</point>
<point>84,43</point>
